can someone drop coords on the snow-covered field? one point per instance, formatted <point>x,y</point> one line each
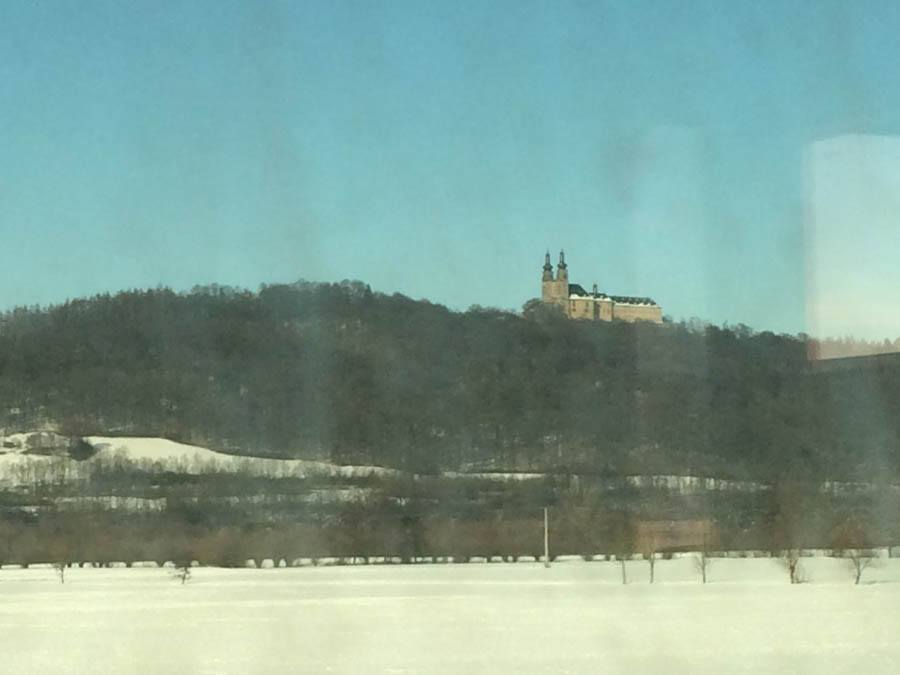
<point>443,619</point>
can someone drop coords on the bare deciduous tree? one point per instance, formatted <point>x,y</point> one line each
<point>647,544</point>
<point>623,532</point>
<point>851,539</point>
<point>708,539</point>
<point>183,564</point>
<point>60,568</point>
<point>701,562</point>
<point>61,554</point>
<point>184,573</point>
<point>860,559</point>
<point>790,560</point>
<point>792,498</point>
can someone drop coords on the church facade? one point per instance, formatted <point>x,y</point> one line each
<point>577,303</point>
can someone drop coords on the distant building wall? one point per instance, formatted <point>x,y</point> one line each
<point>555,292</point>
<point>638,313</point>
<point>581,308</point>
<point>577,303</point>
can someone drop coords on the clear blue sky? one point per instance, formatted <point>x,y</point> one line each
<point>434,149</point>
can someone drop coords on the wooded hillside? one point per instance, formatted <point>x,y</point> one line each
<point>336,371</point>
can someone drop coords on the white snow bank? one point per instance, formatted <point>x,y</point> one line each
<point>152,449</point>
<point>31,440</point>
<point>197,459</point>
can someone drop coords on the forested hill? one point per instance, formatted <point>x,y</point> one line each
<point>339,372</point>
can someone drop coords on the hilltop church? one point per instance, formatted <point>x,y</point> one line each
<point>577,303</point>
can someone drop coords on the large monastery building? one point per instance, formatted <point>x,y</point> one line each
<point>577,303</point>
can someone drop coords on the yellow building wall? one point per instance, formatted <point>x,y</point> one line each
<point>581,309</point>
<point>605,310</point>
<point>637,313</point>
<point>556,292</point>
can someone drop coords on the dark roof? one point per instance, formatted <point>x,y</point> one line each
<point>632,300</point>
<point>576,289</point>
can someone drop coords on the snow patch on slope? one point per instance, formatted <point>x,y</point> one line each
<point>152,449</point>
<point>197,459</point>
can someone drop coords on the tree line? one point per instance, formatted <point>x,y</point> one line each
<point>783,522</point>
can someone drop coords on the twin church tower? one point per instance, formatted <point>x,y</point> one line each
<point>577,303</point>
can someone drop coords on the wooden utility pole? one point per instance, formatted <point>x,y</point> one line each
<point>546,538</point>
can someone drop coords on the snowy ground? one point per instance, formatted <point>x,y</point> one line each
<point>488,618</point>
